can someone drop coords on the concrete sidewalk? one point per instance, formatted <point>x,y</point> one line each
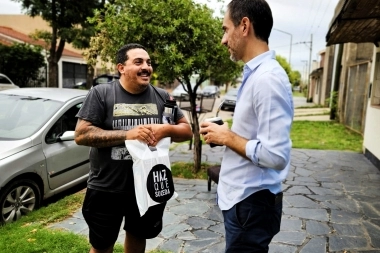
<point>331,204</point>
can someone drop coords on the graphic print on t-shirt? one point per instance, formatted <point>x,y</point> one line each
<point>128,116</point>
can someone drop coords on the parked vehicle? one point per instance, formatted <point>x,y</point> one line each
<point>179,92</point>
<point>6,83</point>
<point>102,79</point>
<point>229,100</point>
<point>38,154</point>
<point>211,90</point>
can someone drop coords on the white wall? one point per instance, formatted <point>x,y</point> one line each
<point>372,123</point>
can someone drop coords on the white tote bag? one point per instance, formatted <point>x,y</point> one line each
<point>151,171</point>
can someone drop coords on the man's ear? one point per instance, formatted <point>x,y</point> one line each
<point>120,67</point>
<point>246,25</point>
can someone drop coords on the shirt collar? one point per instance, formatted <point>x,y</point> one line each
<point>252,65</point>
<point>255,62</point>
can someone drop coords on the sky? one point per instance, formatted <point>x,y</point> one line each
<point>305,23</point>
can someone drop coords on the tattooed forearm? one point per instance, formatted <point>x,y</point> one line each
<point>96,137</point>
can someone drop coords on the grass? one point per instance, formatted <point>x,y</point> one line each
<point>298,94</point>
<point>325,135</point>
<point>31,232</point>
<point>184,170</point>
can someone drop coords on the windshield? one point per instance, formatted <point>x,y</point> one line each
<point>21,116</point>
<point>179,88</point>
<point>232,93</point>
<point>210,88</point>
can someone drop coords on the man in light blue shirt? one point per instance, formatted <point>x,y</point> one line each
<point>257,155</point>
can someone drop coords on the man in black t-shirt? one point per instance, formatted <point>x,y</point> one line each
<point>126,109</point>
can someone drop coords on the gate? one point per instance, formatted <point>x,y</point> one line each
<point>356,101</point>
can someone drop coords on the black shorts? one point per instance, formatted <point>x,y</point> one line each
<point>104,212</point>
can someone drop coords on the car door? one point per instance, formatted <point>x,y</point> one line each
<point>66,161</point>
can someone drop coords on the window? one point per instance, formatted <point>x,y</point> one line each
<point>66,122</point>
<point>4,80</point>
<point>73,73</point>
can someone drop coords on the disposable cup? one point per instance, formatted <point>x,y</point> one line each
<point>216,120</point>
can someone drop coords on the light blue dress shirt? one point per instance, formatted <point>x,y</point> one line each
<point>263,115</point>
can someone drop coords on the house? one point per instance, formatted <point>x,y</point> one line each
<point>320,79</point>
<point>354,35</point>
<point>72,66</point>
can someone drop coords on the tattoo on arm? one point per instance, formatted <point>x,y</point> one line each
<point>96,137</point>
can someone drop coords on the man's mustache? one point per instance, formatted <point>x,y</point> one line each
<point>144,72</point>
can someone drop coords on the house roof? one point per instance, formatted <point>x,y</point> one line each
<point>8,36</point>
<point>356,21</point>
<point>317,72</point>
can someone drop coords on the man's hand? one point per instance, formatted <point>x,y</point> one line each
<point>214,133</point>
<point>144,133</point>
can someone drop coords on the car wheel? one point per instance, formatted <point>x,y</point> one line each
<point>18,198</point>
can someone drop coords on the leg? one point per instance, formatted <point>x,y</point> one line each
<point>133,244</point>
<point>138,229</point>
<point>103,217</point>
<point>252,223</point>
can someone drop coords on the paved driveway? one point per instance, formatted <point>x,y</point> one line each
<point>331,204</point>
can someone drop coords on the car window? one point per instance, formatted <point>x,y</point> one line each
<point>66,122</point>
<point>179,88</point>
<point>4,80</point>
<point>21,116</point>
<point>210,88</point>
<point>101,80</point>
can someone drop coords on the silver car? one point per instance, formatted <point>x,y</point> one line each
<point>229,100</point>
<point>38,154</point>
<point>179,93</point>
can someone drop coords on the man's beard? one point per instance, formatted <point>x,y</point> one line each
<point>233,58</point>
<point>142,86</point>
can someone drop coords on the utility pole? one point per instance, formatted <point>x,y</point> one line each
<point>311,51</point>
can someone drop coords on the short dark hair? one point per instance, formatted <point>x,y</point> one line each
<point>122,56</point>
<point>257,11</point>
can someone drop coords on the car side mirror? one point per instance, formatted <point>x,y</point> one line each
<point>67,136</point>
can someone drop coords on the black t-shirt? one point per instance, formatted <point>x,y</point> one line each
<point>111,107</point>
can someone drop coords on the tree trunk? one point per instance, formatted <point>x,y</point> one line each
<point>90,76</point>
<point>53,74</point>
<point>197,138</point>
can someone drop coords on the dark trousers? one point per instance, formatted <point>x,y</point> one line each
<point>252,223</point>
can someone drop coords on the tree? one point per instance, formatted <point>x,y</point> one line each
<point>22,63</point>
<point>183,39</point>
<point>67,19</point>
<point>226,72</point>
<point>294,76</point>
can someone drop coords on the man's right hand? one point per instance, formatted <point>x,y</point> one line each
<point>143,133</point>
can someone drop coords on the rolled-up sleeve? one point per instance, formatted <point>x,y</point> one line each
<point>274,109</point>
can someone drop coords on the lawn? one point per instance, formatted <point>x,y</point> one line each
<point>325,135</point>
<point>30,234</point>
<point>298,94</point>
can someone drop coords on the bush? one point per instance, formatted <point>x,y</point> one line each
<point>22,63</point>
